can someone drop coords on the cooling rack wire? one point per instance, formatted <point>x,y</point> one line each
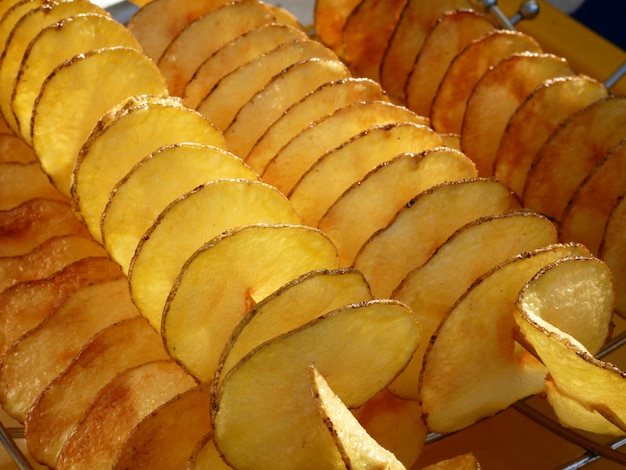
<point>527,435</point>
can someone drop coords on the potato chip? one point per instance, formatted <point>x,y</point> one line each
<point>466,69</point>
<point>54,45</point>
<point>415,22</point>
<point>113,350</point>
<point>344,166</point>
<point>496,97</point>
<point>203,36</point>
<point>77,94</point>
<point>425,223</point>
<point>571,153</point>
<point>234,269</point>
<point>330,17</point>
<point>450,34</point>
<point>20,182</point>
<point>303,150</point>
<point>613,251</point>
<point>242,49</point>
<point>321,102</point>
<point>287,88</point>
<point>535,119</point>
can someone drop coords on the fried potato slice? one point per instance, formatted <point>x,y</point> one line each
<point>238,87</point>
<point>320,102</point>
<point>425,223</point>
<point>536,118</point>
<point>150,445</point>
<point>25,305</point>
<point>432,289</point>
<point>349,163</point>
<point>451,33</point>
<point>207,211</point>
<point>46,258</point>
<point>157,23</point>
<point>305,298</point>
<point>75,97</point>
<point>187,165</point>
<point>357,448</point>
<point>563,309</point>
<point>572,152</point>
<point>203,36</point>
<point>113,350</point>
<point>495,98</point>
<point>368,205</point>
<point>302,151</point>
<point>234,267</point>
<point>287,88</point>
<point>205,455</point>
<point>141,125</point>
<point>35,359</point>
<point>247,46</point>
<point>18,41</point>
<point>416,20</point>
<point>366,33</point>
<point>13,149</point>
<point>54,45</point>
<point>24,227</point>
<point>613,251</point>
<point>585,215</point>
<point>507,373</point>
<point>118,408</point>
<point>467,68</point>
<point>283,410</point>
<point>20,182</point>
<point>329,17</point>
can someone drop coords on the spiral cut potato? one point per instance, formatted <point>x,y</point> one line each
<point>225,249</point>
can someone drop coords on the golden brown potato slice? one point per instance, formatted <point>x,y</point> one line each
<point>287,88</point>
<point>432,289</point>
<point>29,224</point>
<point>425,223</point>
<point>203,36</point>
<point>20,182</point>
<point>205,455</point>
<point>52,46</point>
<point>572,152</point>
<point>151,445</point>
<point>158,22</point>
<point>495,98</point>
<point>452,32</point>
<point>613,251</point>
<point>18,40</point>
<point>234,90</point>
<point>121,346</point>
<point>77,94</point>
<point>329,17</point>
<point>11,13</point>
<point>466,69</point>
<point>535,119</point>
<point>188,223</point>
<point>242,49</point>
<point>140,125</point>
<point>366,33</point>
<point>585,215</point>
<point>564,313</point>
<point>25,305</point>
<point>46,258</point>
<point>303,150</point>
<point>235,271</point>
<point>416,20</point>
<point>283,411</point>
<point>337,170</point>
<point>119,407</point>
<point>321,102</point>
<point>309,296</point>
<point>35,359</point>
<point>368,205</point>
<point>14,149</point>
<point>357,448</point>
<point>187,165</point>
<point>464,381</point>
